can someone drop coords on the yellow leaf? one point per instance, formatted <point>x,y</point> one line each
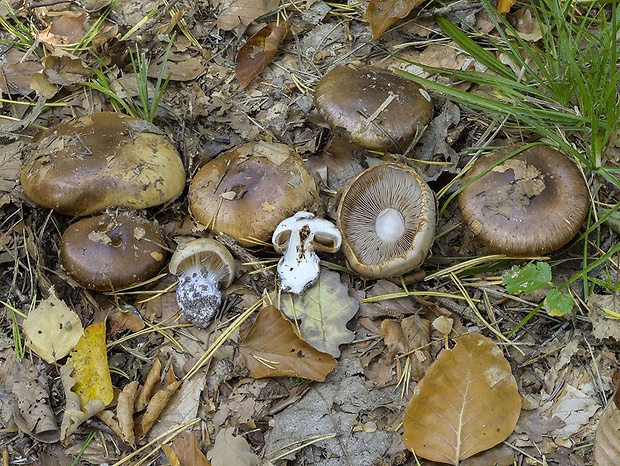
<point>466,403</point>
<point>90,366</point>
<point>52,329</point>
<point>503,6</point>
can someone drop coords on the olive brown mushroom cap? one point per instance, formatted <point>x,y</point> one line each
<point>387,220</point>
<point>528,205</point>
<point>204,267</point>
<point>106,159</point>
<point>112,251</point>
<point>374,107</point>
<point>247,191</point>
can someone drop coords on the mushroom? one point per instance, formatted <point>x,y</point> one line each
<point>247,191</point>
<point>373,107</point>
<point>298,237</point>
<point>112,251</point>
<point>527,205</point>
<point>204,267</point>
<point>106,159</point>
<point>387,220</point>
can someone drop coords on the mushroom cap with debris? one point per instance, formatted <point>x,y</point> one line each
<point>528,203</point>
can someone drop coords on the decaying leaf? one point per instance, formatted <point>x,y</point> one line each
<point>466,403</point>
<point>75,414</point>
<point>238,14</point>
<point>381,14</point>
<point>607,437</point>
<point>230,449</point>
<point>52,329</point>
<point>185,451</point>
<point>258,51</point>
<point>272,349</point>
<point>604,313</point>
<point>121,422</point>
<point>65,70</point>
<point>324,311</point>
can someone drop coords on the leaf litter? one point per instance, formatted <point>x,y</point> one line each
<point>382,353</point>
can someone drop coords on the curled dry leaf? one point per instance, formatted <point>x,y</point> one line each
<point>381,14</point>
<point>258,51</point>
<point>162,392</point>
<point>466,403</point>
<point>272,349</point>
<point>185,450</point>
<point>607,437</point>
<point>122,422</point>
<point>75,414</point>
<point>324,311</point>
<point>52,329</point>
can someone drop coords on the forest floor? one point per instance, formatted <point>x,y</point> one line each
<point>208,404</point>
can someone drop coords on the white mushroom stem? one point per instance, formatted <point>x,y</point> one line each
<point>298,237</point>
<point>199,296</point>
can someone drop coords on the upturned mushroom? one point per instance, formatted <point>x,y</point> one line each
<point>112,251</point>
<point>100,161</point>
<point>373,107</point>
<point>526,205</point>
<point>204,267</point>
<point>298,237</point>
<point>387,220</point>
<point>247,191</point>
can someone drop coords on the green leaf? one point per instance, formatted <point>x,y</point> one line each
<point>557,303</point>
<point>532,277</point>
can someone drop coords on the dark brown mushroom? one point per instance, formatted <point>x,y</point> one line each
<point>112,251</point>
<point>531,204</point>
<point>103,160</point>
<point>373,107</point>
<point>247,191</point>
<point>387,220</point>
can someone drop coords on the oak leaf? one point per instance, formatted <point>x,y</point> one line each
<point>466,403</point>
<point>273,349</point>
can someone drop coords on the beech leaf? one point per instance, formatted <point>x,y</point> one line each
<point>273,349</point>
<point>258,51</point>
<point>52,329</point>
<point>324,310</point>
<point>607,436</point>
<point>381,14</point>
<point>466,403</point>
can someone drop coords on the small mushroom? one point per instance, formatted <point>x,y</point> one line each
<point>387,220</point>
<point>373,107</point>
<point>103,160</point>
<point>247,191</point>
<point>204,267</point>
<point>298,237</point>
<point>528,205</point>
<point>112,251</point>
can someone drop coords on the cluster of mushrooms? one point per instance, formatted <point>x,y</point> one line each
<point>261,192</point>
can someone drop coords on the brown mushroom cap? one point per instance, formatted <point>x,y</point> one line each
<point>112,251</point>
<point>349,95</point>
<point>102,160</point>
<point>387,220</point>
<point>247,191</point>
<point>531,204</point>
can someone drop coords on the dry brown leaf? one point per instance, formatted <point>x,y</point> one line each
<point>466,403</point>
<point>125,412</point>
<point>381,14</point>
<point>238,14</point>
<point>17,73</point>
<point>185,451</point>
<point>65,70</point>
<point>230,449</point>
<point>66,29</point>
<point>272,349</point>
<point>393,338</point>
<point>607,437</point>
<point>417,334</point>
<point>162,392</point>
<point>258,51</point>
<point>146,392</point>
<point>180,67</point>
<point>52,329</point>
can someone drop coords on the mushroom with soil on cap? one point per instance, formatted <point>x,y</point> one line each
<point>204,267</point>
<point>247,191</point>
<point>103,160</point>
<point>387,220</point>
<point>373,107</point>
<point>112,251</point>
<point>298,237</point>
<point>524,201</point>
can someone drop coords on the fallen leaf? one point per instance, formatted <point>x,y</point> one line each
<point>273,349</point>
<point>466,403</point>
<point>75,413</point>
<point>230,449</point>
<point>185,451</point>
<point>90,366</point>
<point>324,310</point>
<point>238,14</point>
<point>52,329</point>
<point>121,422</point>
<point>607,437</point>
<point>258,51</point>
<point>381,14</point>
<point>65,70</point>
<point>504,6</point>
